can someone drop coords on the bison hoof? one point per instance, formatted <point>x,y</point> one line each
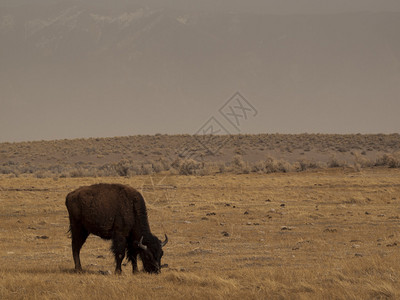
<point>78,271</point>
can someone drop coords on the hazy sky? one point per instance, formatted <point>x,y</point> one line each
<point>289,6</point>
<point>271,6</point>
<point>96,68</point>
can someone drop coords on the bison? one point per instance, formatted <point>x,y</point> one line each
<point>117,212</point>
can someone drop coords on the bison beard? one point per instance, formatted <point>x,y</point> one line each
<point>116,212</point>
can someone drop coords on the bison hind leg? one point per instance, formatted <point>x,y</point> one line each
<point>79,236</point>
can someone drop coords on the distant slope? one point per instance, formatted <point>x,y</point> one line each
<point>147,154</point>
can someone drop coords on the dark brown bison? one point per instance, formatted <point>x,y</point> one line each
<point>116,212</point>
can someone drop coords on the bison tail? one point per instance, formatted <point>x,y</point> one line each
<point>69,231</point>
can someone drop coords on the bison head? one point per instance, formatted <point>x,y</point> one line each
<point>151,253</point>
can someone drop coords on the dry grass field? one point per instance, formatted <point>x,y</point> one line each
<point>322,234</point>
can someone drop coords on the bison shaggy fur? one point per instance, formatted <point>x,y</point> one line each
<point>114,212</point>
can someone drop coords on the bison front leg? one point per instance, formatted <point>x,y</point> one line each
<point>132,255</point>
<point>133,252</point>
<point>119,248</point>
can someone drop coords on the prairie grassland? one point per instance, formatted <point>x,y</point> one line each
<point>327,234</point>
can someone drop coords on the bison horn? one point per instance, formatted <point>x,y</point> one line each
<point>165,242</point>
<point>144,247</point>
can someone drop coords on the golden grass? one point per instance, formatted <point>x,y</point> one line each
<point>331,234</point>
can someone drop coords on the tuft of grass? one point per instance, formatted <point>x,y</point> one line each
<point>389,160</point>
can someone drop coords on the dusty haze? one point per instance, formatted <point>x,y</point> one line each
<point>99,68</point>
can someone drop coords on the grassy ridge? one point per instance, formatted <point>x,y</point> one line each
<point>201,155</point>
